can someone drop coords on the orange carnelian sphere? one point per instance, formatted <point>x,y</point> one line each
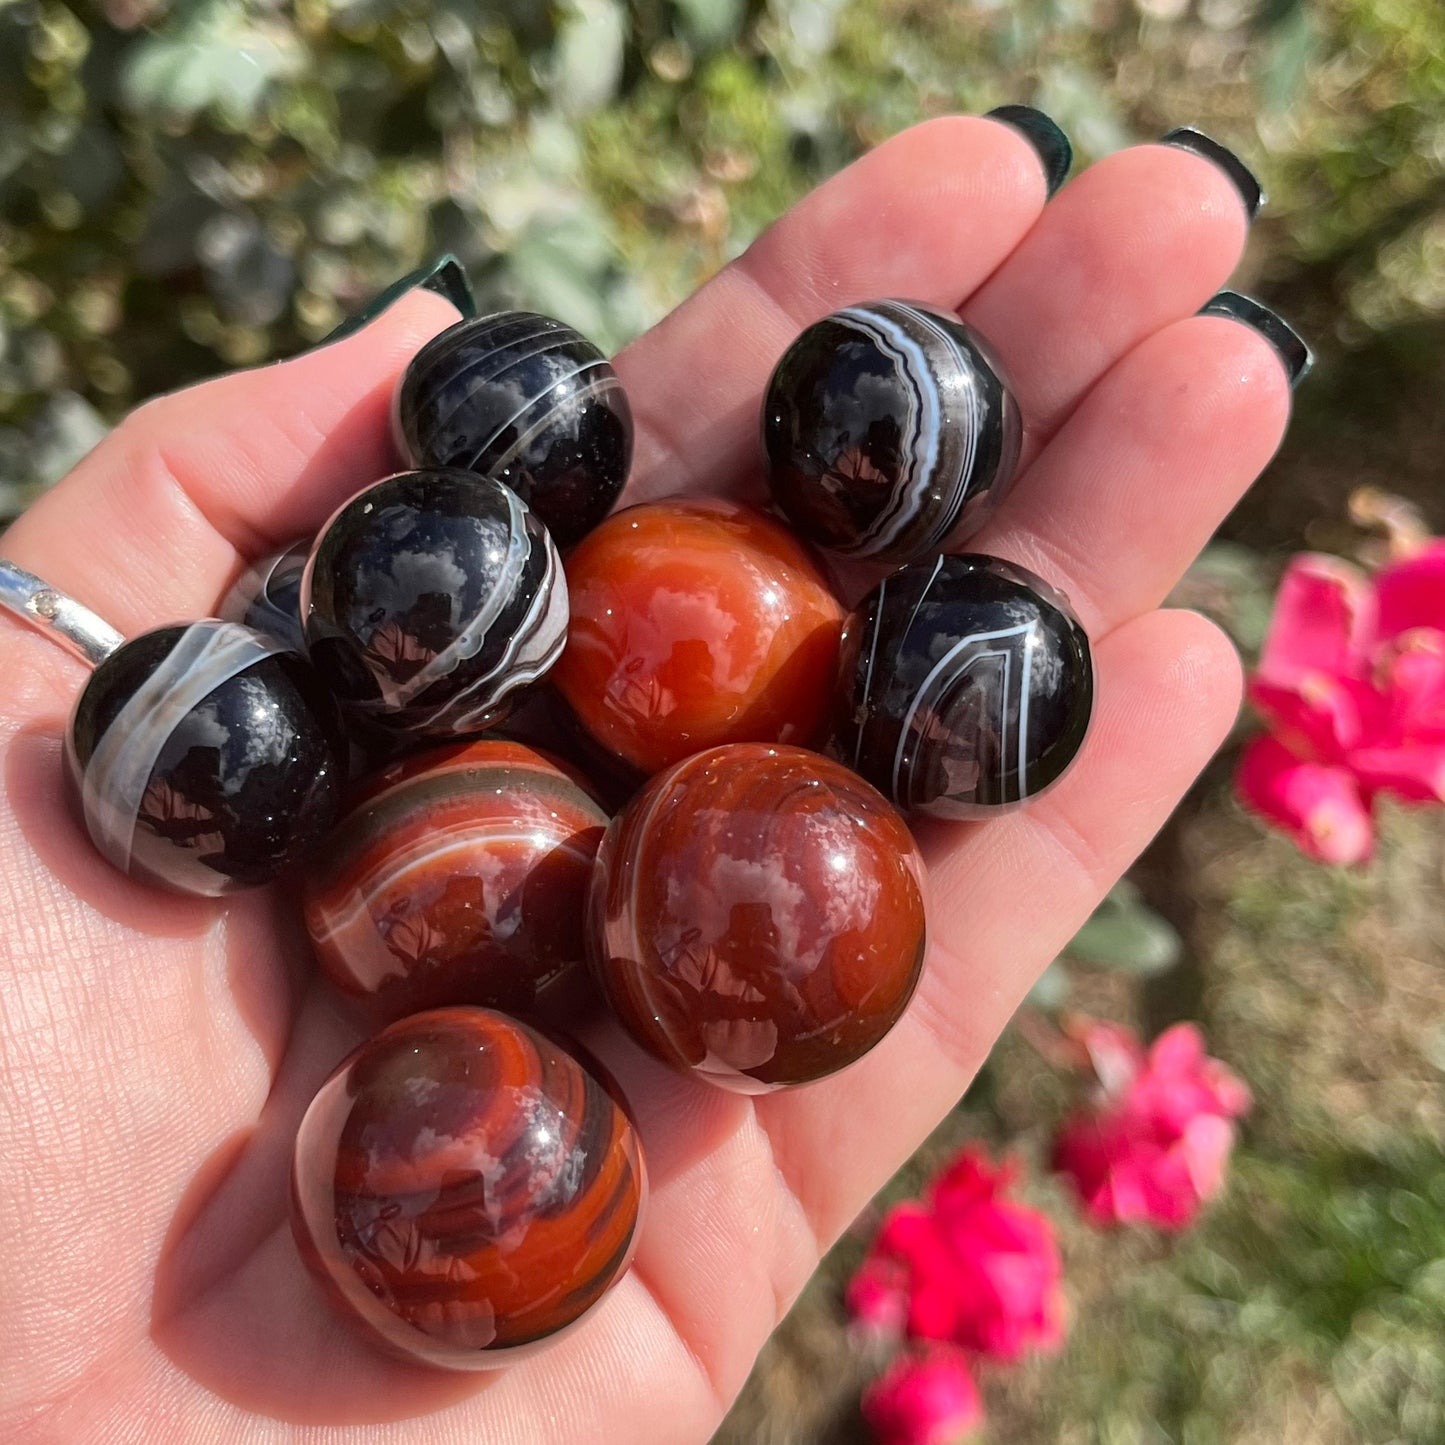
<point>695,623</point>
<point>756,916</point>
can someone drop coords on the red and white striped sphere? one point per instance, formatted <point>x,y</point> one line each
<point>460,876</point>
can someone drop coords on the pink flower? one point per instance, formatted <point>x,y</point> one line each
<point>966,1265</point>
<point>1154,1143</point>
<point>924,1400</point>
<point>1321,808</point>
<point>1352,685</point>
<point>877,1299</point>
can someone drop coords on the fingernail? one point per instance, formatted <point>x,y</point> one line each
<point>1044,136</point>
<point>1186,138</point>
<point>445,276</point>
<point>1287,342</point>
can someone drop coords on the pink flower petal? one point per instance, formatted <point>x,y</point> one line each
<point>1206,1146</point>
<point>877,1298</point>
<point>1410,674</point>
<point>1320,807</point>
<point>925,1399</point>
<point>1178,1050</point>
<point>1412,593</point>
<point>1125,1198</point>
<point>1232,1099</point>
<point>979,1269</point>
<point>1315,715</point>
<point>1324,618</point>
<point>1114,1054</point>
<point>969,1179</point>
<point>1414,772</point>
<point>1155,1153</point>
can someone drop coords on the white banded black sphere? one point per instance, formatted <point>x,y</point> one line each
<point>965,687</point>
<point>890,431</point>
<point>267,596</point>
<point>207,757</point>
<point>432,601</point>
<point>529,401</point>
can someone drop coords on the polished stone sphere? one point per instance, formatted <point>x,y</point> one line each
<point>757,916</point>
<point>267,596</point>
<point>529,401</point>
<point>208,758</point>
<point>465,1189</point>
<point>432,601</point>
<point>890,430</point>
<point>459,875</point>
<point>965,687</point>
<point>695,622</point>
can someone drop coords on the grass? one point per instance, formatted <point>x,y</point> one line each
<point>1308,1307</point>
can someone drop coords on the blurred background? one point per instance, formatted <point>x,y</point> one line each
<point>189,187</point>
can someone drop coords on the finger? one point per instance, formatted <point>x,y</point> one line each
<point>927,215</point>
<point>747,1193</point>
<point>1007,897</point>
<point>152,524</point>
<point>1142,238</point>
<point>1120,502</point>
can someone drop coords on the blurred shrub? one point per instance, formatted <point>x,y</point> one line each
<point>189,186</point>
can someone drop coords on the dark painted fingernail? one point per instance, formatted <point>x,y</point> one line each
<point>1287,342</point>
<point>1044,136</point>
<point>445,276</point>
<point>1186,138</point>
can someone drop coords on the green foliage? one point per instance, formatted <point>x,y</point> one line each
<point>186,187</point>
<point>1126,935</point>
<point>1123,936</point>
<point>1334,1262</point>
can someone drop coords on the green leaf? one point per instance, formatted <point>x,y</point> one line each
<point>589,55</point>
<point>810,26</point>
<point>1230,584</point>
<point>219,58</point>
<point>1126,935</point>
<point>710,23</point>
<point>1052,990</point>
<point>1289,51</point>
<point>560,267</point>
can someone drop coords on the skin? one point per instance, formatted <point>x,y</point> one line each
<point>156,1054</point>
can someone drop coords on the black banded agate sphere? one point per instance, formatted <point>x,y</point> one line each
<point>890,432</point>
<point>526,400</point>
<point>207,758</point>
<point>965,687</point>
<point>432,601</point>
<point>267,596</point>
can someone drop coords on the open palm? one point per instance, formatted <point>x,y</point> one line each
<point>156,1053</point>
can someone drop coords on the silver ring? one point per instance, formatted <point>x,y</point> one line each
<point>76,628</point>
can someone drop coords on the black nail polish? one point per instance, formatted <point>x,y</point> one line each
<point>1186,138</point>
<point>445,276</point>
<point>1044,135</point>
<point>1290,345</point>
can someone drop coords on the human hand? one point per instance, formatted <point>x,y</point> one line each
<point>156,1053</point>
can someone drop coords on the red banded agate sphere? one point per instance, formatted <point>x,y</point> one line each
<point>460,876</point>
<point>694,623</point>
<point>757,916</point>
<point>463,1188</point>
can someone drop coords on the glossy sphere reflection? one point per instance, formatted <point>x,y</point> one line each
<point>529,401</point>
<point>965,687</point>
<point>890,431</point>
<point>267,596</point>
<point>464,1188</point>
<point>208,758</point>
<point>432,601</point>
<point>459,877</point>
<point>695,623</point>
<point>757,915</point>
